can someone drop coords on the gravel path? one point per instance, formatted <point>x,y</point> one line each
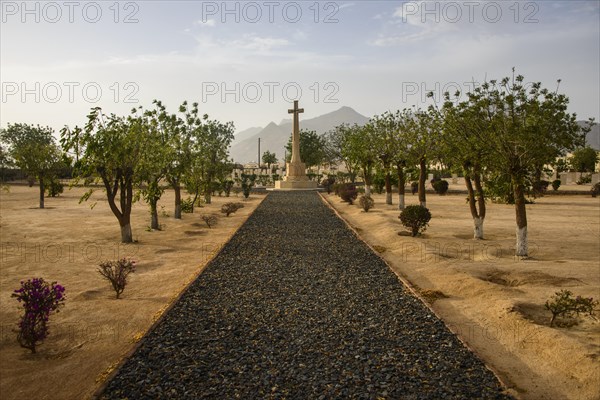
<point>296,307</point>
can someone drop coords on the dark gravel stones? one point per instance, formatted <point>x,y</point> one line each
<point>296,307</point>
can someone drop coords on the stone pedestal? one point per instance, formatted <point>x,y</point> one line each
<point>296,178</point>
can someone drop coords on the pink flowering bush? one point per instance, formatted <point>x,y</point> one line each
<point>39,298</point>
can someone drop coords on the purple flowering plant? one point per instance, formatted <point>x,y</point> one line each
<point>39,299</point>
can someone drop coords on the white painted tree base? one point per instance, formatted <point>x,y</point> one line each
<point>478,228</point>
<point>522,249</point>
<point>401,204</point>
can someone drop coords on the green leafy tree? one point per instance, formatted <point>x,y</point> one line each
<point>269,158</point>
<point>530,126</point>
<point>336,141</point>
<point>112,148</point>
<point>422,132</point>
<point>312,148</point>
<point>584,159</point>
<point>157,157</point>
<point>359,150</point>
<point>33,150</point>
<point>466,125</point>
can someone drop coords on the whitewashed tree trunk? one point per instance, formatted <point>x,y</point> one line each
<point>423,204</point>
<point>522,242</point>
<point>401,204</point>
<point>126,235</point>
<point>478,228</point>
<point>367,190</point>
<point>388,198</point>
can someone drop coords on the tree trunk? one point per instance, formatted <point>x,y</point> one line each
<point>478,215</point>
<point>388,188</point>
<point>126,235</point>
<point>154,215</point>
<point>208,197</point>
<point>521,214</point>
<point>177,188</point>
<point>401,184</point>
<point>367,190</point>
<point>422,179</point>
<point>42,190</point>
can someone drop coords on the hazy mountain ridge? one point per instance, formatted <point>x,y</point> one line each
<point>274,137</point>
<point>592,138</point>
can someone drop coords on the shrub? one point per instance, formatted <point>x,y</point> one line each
<point>247,184</point>
<point>328,184</point>
<point>440,186</point>
<point>366,202</point>
<point>595,189</point>
<point>540,187</point>
<point>584,179</point>
<point>39,298</point>
<point>210,220</point>
<point>414,187</point>
<point>555,184</point>
<point>187,205</point>
<point>227,185</point>
<point>230,208</point>
<point>563,304</point>
<point>348,193</point>
<point>116,272</point>
<point>416,218</point>
<point>53,187</point>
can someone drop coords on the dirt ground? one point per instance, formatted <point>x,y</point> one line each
<point>64,243</point>
<point>494,301</point>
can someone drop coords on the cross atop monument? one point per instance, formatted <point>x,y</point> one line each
<point>295,178</point>
<point>296,132</point>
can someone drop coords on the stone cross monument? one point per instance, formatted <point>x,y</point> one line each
<point>295,170</point>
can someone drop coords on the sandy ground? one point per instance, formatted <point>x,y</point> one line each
<point>494,301</point>
<point>64,243</point>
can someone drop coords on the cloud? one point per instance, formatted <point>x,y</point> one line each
<point>208,23</point>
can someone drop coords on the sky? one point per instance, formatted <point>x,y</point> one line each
<point>247,61</point>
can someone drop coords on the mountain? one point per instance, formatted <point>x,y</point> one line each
<point>246,133</point>
<point>274,137</point>
<point>593,137</point>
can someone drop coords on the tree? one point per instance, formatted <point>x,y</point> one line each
<point>529,127</point>
<point>34,150</point>
<point>269,158</point>
<point>209,142</point>
<point>312,148</point>
<point>359,149</point>
<point>158,156</point>
<point>336,141</point>
<point>422,134</point>
<point>391,142</point>
<point>465,127</point>
<point>112,149</point>
<point>584,159</point>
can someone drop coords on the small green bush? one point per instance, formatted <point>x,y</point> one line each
<point>556,184</point>
<point>366,202</point>
<point>440,186</point>
<point>187,205</point>
<point>54,188</point>
<point>595,189</point>
<point>563,304</point>
<point>416,218</point>
<point>414,187</point>
<point>584,179</point>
